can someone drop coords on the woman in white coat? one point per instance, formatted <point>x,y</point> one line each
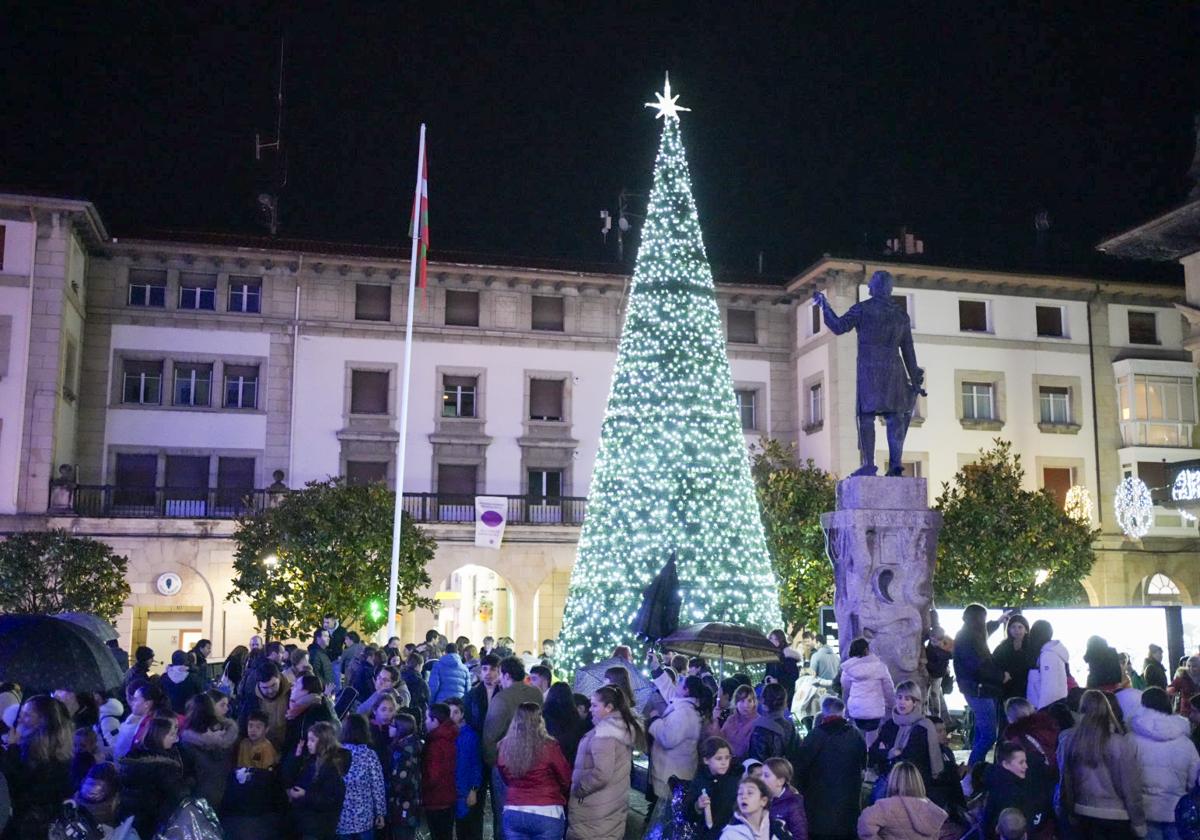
<point>1048,681</point>
<point>1170,763</point>
<point>866,686</point>
<point>675,750</point>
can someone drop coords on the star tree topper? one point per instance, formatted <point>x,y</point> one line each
<point>667,109</point>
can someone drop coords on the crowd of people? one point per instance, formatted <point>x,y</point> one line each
<point>346,739</point>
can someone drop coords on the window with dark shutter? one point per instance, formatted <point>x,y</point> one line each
<point>235,482</point>
<point>372,302</point>
<point>187,477</point>
<point>743,326</point>
<point>545,399</point>
<point>136,476</point>
<point>456,480</point>
<point>1057,480</point>
<point>814,315</point>
<point>462,308</point>
<point>972,316</point>
<point>547,313</point>
<point>1143,328</point>
<point>1049,321</point>
<point>369,392</point>
<point>360,473</point>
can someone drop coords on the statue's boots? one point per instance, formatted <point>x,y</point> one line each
<point>866,469</point>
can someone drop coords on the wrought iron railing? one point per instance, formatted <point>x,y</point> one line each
<point>192,503</point>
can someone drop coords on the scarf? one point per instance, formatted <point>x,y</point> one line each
<point>297,708</point>
<point>916,720</point>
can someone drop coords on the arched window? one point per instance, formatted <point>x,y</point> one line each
<point>1158,590</point>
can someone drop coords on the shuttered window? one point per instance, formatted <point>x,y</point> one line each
<point>372,303</point>
<point>369,392</point>
<point>545,399</point>
<point>462,308</point>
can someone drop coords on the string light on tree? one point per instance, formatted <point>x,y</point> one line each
<point>1134,508</point>
<point>672,472</point>
<point>1078,504</point>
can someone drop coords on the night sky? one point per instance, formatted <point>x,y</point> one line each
<point>816,126</point>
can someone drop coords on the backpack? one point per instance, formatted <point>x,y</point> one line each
<point>75,823</point>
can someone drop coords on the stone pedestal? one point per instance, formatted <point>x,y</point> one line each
<point>882,542</point>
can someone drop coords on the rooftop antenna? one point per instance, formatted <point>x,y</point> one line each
<point>268,202</point>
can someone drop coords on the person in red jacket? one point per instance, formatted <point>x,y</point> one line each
<point>438,791</point>
<point>533,766</point>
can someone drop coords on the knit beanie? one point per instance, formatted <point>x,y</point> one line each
<point>143,655</point>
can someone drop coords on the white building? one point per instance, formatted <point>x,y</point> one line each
<point>207,368</point>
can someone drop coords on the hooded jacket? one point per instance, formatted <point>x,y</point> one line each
<point>599,798</point>
<point>830,765</point>
<point>773,735</point>
<point>180,684</point>
<point>901,818</point>
<point>867,687</point>
<point>1048,682</point>
<point>1038,734</point>
<point>1169,761</point>
<point>110,721</point>
<point>676,741</point>
<point>1032,796</point>
<point>449,678</point>
<point>769,829</point>
<point>211,754</point>
<point>153,783</point>
<point>788,808</point>
<point>1110,791</point>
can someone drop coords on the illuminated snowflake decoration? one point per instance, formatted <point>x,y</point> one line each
<point>1078,504</point>
<point>1134,508</point>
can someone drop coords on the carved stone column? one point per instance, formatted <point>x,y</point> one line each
<point>882,542</point>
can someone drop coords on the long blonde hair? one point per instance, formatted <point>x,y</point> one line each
<point>904,779</point>
<point>328,746</point>
<point>1098,724</point>
<point>526,738</point>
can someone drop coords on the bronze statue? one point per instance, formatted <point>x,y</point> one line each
<point>889,380</point>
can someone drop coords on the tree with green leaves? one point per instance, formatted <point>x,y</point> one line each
<point>1004,545</point>
<point>326,550</point>
<point>792,497</point>
<point>53,571</point>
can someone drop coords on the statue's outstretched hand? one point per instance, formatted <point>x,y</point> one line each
<point>819,299</point>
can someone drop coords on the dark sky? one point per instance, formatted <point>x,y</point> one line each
<point>816,126</point>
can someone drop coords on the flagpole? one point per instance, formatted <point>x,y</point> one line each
<point>397,516</point>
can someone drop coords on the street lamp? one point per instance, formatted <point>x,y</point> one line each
<point>270,563</point>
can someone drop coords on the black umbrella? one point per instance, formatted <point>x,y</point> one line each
<point>716,640</point>
<point>43,653</point>
<point>102,629</point>
<point>659,614</point>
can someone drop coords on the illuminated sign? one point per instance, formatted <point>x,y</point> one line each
<point>1187,486</point>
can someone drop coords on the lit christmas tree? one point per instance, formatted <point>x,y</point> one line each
<point>672,473</point>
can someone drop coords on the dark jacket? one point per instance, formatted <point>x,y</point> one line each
<point>974,669</point>
<point>937,661</point>
<point>337,643</point>
<point>1031,796</point>
<point>774,735</point>
<point>361,676</point>
<point>418,690</point>
<point>1017,663</point>
<point>36,793</point>
<point>297,728</point>
<point>316,813</point>
<point>475,706</point>
<point>946,791</point>
<point>829,769</point>
<point>1104,667</point>
<point>180,685</point>
<point>788,808</point>
<point>259,794</point>
<point>1154,674</point>
<point>722,790</point>
<point>568,732</point>
<point>153,783</point>
<point>916,751</point>
<point>137,671</point>
<point>322,665</point>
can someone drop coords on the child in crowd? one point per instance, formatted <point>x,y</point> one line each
<point>1012,825</point>
<point>753,768</point>
<point>712,794</point>
<point>255,751</point>
<point>382,730</point>
<point>787,805</point>
<point>252,806</point>
<point>438,790</point>
<point>404,779</point>
<point>752,821</point>
<point>468,776</point>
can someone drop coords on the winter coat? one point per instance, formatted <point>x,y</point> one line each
<point>1018,664</point>
<point>418,690</point>
<point>275,709</point>
<point>547,782</point>
<point>737,730</point>
<point>1129,701</point>
<point>1154,674</point>
<point>722,793</point>
<point>337,643</point>
<point>824,665</point>
<point>1048,682</point>
<point>438,768</point>
<point>297,727</point>
<point>365,795</point>
<point>1104,668</point>
<point>676,741</point>
<point>1111,791</point>
<point>867,687</point>
<point>774,735</point>
<point>600,782</point>
<point>974,669</point>
<point>769,829</point>
<point>830,768</point>
<point>788,808</point>
<point>1032,796</point>
<point>567,730</point>
<point>211,756</point>
<point>153,783</point>
<point>937,661</point>
<point>901,818</point>
<point>404,784</point>
<point>449,678</point>
<point>109,724</point>
<point>316,814</point>
<point>1169,761</point>
<point>36,793</point>
<point>260,794</point>
<point>1038,734</point>
<point>475,707</point>
<point>918,750</point>
<point>180,684</point>
<point>501,709</point>
<point>321,664</point>
<point>468,769</point>
<point>1185,689</point>
<point>127,734</point>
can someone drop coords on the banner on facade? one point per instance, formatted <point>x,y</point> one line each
<point>490,514</point>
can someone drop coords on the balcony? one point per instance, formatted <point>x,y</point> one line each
<point>191,503</point>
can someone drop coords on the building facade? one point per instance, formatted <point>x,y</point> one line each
<point>184,377</point>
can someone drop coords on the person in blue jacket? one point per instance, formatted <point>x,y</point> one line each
<point>468,777</point>
<point>449,677</point>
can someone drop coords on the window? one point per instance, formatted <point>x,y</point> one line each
<point>816,405</point>
<point>193,384</point>
<point>547,484</point>
<point>369,391</point>
<point>136,475</point>
<point>1057,481</point>
<point>245,294</point>
<point>1143,328</point>
<point>198,291</point>
<point>186,485</point>
<point>462,309</point>
<point>814,317</point>
<point>1055,405</point>
<point>1049,321</point>
<point>458,396</point>
<point>235,483</point>
<point>743,326</point>
<point>142,382</point>
<point>545,399</point>
<point>241,386</point>
<point>547,313</point>
<point>360,473</point>
<point>147,287</point>
<point>372,302</point>
<point>1156,410</point>
<point>972,316</point>
<point>1156,476</point>
<point>978,401</point>
<point>900,302</point>
<point>456,480</point>
<point>746,406</point>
